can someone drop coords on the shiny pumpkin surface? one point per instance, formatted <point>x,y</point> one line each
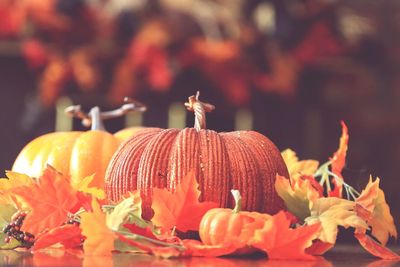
<point>243,160</point>
<point>77,154</point>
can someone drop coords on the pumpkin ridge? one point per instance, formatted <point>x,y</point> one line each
<point>183,158</point>
<point>245,172</point>
<point>132,159</point>
<point>153,165</point>
<point>214,168</point>
<point>271,163</point>
<point>121,178</point>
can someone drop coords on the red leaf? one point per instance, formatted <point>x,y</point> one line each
<point>279,241</point>
<point>180,208</point>
<point>69,235</point>
<point>375,248</point>
<point>133,228</point>
<point>50,201</point>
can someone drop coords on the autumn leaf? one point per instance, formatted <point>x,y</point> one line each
<point>372,199</point>
<point>143,231</point>
<point>180,208</point>
<point>99,238</point>
<point>298,194</point>
<point>296,167</point>
<point>338,161</point>
<point>279,241</point>
<point>332,212</point>
<point>339,157</point>
<point>14,180</point>
<point>375,248</point>
<point>51,199</point>
<point>68,234</point>
<point>128,207</point>
<point>319,248</point>
<point>83,186</point>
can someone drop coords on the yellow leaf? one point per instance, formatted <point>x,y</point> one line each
<point>298,194</point>
<point>128,206</point>
<point>372,198</point>
<point>13,180</point>
<point>296,167</point>
<point>332,212</point>
<point>99,238</point>
<point>83,186</point>
<point>7,185</point>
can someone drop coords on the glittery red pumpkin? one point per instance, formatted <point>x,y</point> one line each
<point>243,160</point>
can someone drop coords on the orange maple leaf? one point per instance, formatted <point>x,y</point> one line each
<point>99,238</point>
<point>377,214</point>
<point>50,200</point>
<point>279,241</point>
<point>180,208</point>
<point>339,161</point>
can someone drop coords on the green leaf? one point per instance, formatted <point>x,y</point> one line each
<point>129,209</point>
<point>6,211</point>
<point>10,245</point>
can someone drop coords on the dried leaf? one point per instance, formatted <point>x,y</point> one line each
<point>375,248</point>
<point>50,200</point>
<point>83,186</point>
<point>332,212</point>
<point>67,234</point>
<point>180,208</point>
<point>130,206</point>
<point>296,167</point>
<point>279,241</point>
<point>339,157</point>
<point>372,199</point>
<point>338,162</point>
<point>298,193</point>
<point>99,238</point>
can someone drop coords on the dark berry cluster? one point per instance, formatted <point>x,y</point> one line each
<point>13,230</point>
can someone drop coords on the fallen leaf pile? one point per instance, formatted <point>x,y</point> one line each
<point>318,202</point>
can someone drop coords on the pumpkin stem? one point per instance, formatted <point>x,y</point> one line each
<point>95,117</point>
<point>199,108</point>
<point>238,200</point>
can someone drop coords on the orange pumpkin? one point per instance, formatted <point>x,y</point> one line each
<point>243,160</point>
<point>226,226</point>
<point>77,154</point>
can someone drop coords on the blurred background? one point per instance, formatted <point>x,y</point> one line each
<point>290,69</point>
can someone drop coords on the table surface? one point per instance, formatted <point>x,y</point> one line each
<point>341,255</point>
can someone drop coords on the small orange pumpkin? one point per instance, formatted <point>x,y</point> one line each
<point>161,158</point>
<point>221,226</point>
<point>77,154</point>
